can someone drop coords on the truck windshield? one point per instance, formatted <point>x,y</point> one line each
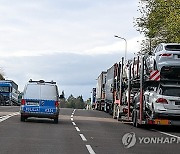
<point>171,91</point>
<point>5,89</point>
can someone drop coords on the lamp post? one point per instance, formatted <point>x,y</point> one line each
<point>125,45</point>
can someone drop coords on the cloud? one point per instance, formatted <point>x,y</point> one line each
<point>68,70</point>
<point>69,41</point>
<point>44,27</point>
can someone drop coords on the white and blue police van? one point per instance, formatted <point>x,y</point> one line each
<point>40,99</point>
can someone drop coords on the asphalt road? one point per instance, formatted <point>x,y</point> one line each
<point>82,132</point>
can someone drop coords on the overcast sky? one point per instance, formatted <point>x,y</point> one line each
<point>68,41</point>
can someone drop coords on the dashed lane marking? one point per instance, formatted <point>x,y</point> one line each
<point>89,148</point>
<point>77,129</point>
<point>83,137</point>
<point>74,123</point>
<point>91,151</point>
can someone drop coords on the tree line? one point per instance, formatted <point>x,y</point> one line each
<point>72,102</point>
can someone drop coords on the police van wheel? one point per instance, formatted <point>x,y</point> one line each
<point>23,118</point>
<point>56,120</point>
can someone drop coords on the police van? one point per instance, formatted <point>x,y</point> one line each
<point>40,99</point>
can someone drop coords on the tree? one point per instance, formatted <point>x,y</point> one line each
<point>63,101</point>
<point>76,103</point>
<point>71,102</point>
<point>159,22</point>
<point>79,103</point>
<point>1,74</point>
<point>1,77</point>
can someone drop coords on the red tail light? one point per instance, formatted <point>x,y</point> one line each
<point>162,100</point>
<point>57,104</point>
<point>165,55</point>
<point>23,101</point>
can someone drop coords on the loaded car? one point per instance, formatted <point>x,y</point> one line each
<point>163,101</point>
<point>166,59</point>
<point>40,99</point>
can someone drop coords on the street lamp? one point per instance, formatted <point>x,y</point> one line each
<point>125,45</point>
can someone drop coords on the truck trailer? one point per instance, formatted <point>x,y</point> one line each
<point>100,91</point>
<point>137,87</point>
<point>110,88</point>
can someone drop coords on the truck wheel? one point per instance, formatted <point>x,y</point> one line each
<point>115,112</point>
<point>135,119</point>
<point>118,115</point>
<point>23,118</point>
<point>56,120</point>
<point>110,110</point>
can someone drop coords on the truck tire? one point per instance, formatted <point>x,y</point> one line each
<point>118,115</point>
<point>111,110</point>
<point>115,112</point>
<point>135,119</point>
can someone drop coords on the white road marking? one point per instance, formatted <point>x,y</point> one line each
<point>91,151</point>
<point>166,133</point>
<point>77,129</point>
<point>83,137</point>
<point>3,118</point>
<point>74,123</point>
<point>71,116</point>
<point>71,119</point>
